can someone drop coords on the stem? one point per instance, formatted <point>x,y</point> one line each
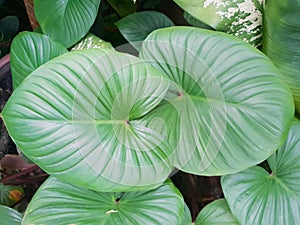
<point>21,173</point>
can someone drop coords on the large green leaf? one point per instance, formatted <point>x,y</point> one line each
<point>61,203</point>
<point>257,197</point>
<point>216,213</point>
<point>137,26</point>
<point>281,41</point>
<point>241,18</point>
<point>227,108</point>
<point>78,118</point>
<point>29,51</point>
<point>9,216</point>
<point>66,21</point>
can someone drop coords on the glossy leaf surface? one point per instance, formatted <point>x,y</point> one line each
<point>241,18</point>
<point>61,203</point>
<point>216,213</point>
<point>282,41</point>
<point>29,51</point>
<point>81,113</point>
<point>136,27</point>
<point>9,216</point>
<point>66,21</point>
<point>227,108</point>
<point>257,197</point>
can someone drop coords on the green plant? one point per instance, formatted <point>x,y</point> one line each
<point>110,127</point>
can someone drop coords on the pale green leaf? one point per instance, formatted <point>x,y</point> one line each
<point>216,213</point>
<point>79,115</point>
<point>257,197</point>
<point>9,216</point>
<point>61,203</point>
<point>227,108</point>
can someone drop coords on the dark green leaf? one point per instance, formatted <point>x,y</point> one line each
<point>216,213</point>
<point>9,216</point>
<point>123,7</point>
<point>282,41</point>
<point>227,108</point>
<point>257,197</point>
<point>195,22</point>
<point>29,51</point>
<point>136,27</point>
<point>61,203</point>
<point>9,195</point>
<point>66,21</point>
<point>79,115</point>
<point>9,26</point>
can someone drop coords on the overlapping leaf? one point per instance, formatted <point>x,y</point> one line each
<point>29,51</point>
<point>66,21</point>
<point>9,216</point>
<point>241,18</point>
<point>136,27</point>
<point>257,197</point>
<point>61,203</point>
<point>281,41</point>
<point>79,116</point>
<point>216,213</point>
<point>227,108</point>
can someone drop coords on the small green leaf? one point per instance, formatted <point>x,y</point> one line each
<point>195,22</point>
<point>9,195</point>
<point>9,26</point>
<point>216,213</point>
<point>92,41</point>
<point>29,51</point>
<point>66,21</point>
<point>227,108</point>
<point>61,203</point>
<point>123,7</point>
<point>83,111</point>
<point>256,197</point>
<point>10,216</point>
<point>136,27</point>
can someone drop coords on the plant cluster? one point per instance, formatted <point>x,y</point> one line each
<point>110,127</point>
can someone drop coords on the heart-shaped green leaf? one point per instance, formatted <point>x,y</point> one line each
<point>216,213</point>
<point>29,51</point>
<point>281,41</point>
<point>66,21</point>
<point>80,115</point>
<point>137,26</point>
<point>227,108</point>
<point>241,18</point>
<point>61,203</point>
<point>257,197</point>
<point>9,216</point>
